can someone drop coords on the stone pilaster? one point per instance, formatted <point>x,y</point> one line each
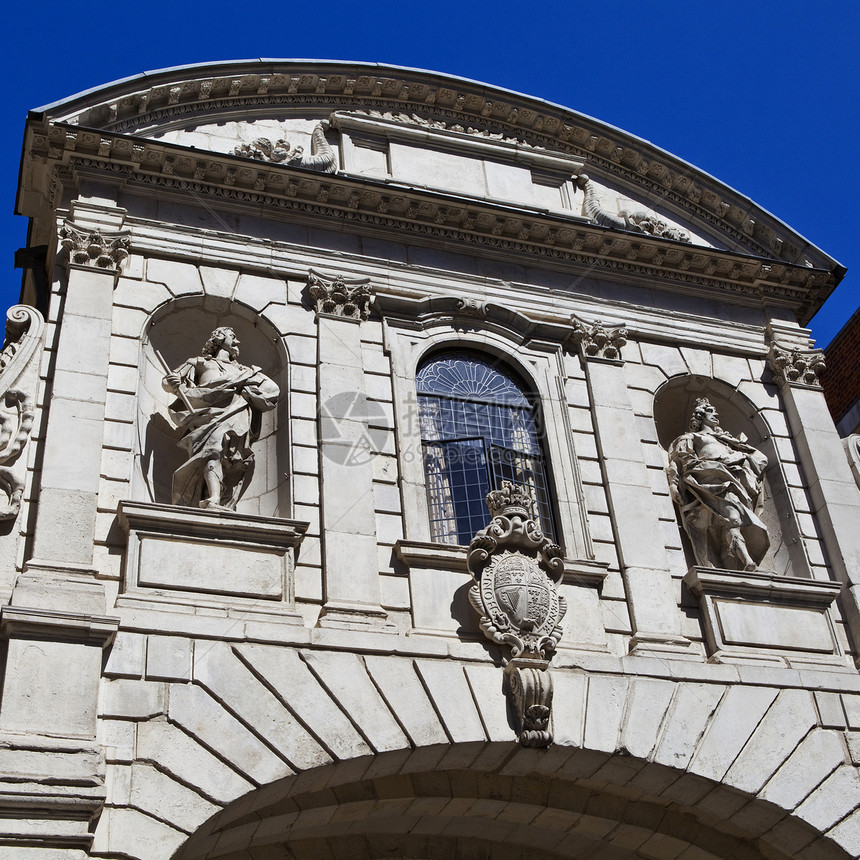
<point>93,249</point>
<point>56,626</point>
<point>832,489</point>
<point>345,450</point>
<point>651,598</point>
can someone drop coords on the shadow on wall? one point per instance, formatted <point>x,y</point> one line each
<point>673,408</point>
<point>177,332</point>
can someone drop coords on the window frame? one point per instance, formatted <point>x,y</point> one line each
<point>460,515</point>
<point>542,365</point>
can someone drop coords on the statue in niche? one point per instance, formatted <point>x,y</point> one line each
<point>716,481</point>
<point>219,408</point>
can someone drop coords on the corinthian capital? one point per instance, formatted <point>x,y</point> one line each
<point>349,298</point>
<point>94,248</point>
<point>595,341</point>
<point>796,366</point>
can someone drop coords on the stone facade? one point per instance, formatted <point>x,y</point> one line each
<point>316,667</point>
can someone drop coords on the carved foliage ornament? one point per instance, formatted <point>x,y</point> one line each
<point>792,365</point>
<point>94,248</point>
<point>24,328</point>
<point>595,341</point>
<point>350,298</point>
<point>322,156</point>
<point>517,570</point>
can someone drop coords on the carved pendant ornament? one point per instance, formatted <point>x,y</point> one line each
<point>517,570</point>
<point>24,328</point>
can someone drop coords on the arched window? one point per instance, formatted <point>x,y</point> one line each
<point>478,429</point>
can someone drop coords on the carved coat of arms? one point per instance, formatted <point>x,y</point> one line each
<point>517,570</point>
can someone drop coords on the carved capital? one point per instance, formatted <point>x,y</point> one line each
<point>516,571</point>
<point>796,366</point>
<point>350,298</point>
<point>94,248</point>
<point>595,341</point>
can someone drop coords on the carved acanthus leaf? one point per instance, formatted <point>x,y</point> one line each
<point>517,570</point>
<point>94,248</point>
<point>595,341</point>
<point>793,365</point>
<point>344,297</point>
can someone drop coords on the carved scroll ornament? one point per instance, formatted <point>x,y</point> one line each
<point>322,157</point>
<point>24,329</point>
<point>636,220</point>
<point>517,570</point>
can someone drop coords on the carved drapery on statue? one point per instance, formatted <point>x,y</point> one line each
<point>219,410</point>
<point>716,481</point>
<point>517,570</point>
<point>24,329</point>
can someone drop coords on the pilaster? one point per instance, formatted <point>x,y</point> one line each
<point>651,598</point>
<point>55,626</point>
<point>351,572</point>
<point>832,490</point>
<point>93,250</point>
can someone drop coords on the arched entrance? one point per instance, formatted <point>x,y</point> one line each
<point>497,800</point>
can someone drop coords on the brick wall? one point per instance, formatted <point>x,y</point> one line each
<point>841,380</point>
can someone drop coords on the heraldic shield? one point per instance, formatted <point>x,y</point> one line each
<point>522,592</point>
<point>517,570</point>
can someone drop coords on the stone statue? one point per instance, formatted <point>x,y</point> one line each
<point>716,480</point>
<point>219,408</point>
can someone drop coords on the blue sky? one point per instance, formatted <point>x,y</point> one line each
<point>763,95</point>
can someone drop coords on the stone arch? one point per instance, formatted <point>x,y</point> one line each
<point>503,802</point>
<point>176,330</point>
<point>274,739</point>
<point>673,405</point>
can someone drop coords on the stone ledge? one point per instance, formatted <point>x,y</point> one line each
<point>222,525</point>
<point>191,558</point>
<point>760,618</point>
<point>23,622</point>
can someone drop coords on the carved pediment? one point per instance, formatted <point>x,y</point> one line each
<point>639,176</point>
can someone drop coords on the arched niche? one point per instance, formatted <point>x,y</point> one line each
<point>673,406</point>
<point>175,332</point>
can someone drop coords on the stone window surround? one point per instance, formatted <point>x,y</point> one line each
<point>539,363</point>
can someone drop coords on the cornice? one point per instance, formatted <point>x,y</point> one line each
<point>176,95</point>
<point>388,207</point>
